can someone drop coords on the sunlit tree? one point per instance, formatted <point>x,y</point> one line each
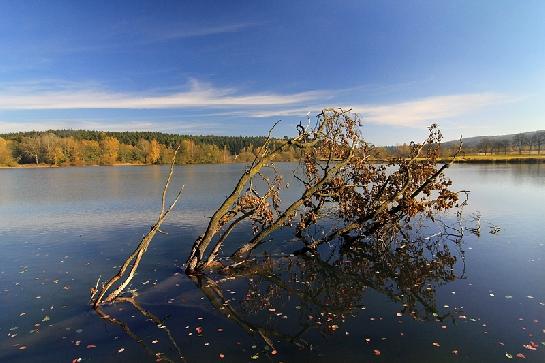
<point>110,148</point>
<point>6,157</point>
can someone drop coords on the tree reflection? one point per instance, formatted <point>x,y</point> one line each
<point>288,298</point>
<point>325,289</point>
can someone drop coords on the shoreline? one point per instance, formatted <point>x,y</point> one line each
<point>470,159</point>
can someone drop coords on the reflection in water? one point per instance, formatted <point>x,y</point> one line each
<point>286,297</point>
<point>159,356</point>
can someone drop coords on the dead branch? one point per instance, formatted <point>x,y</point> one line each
<point>138,253</point>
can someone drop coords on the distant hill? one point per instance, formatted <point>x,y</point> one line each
<point>475,141</point>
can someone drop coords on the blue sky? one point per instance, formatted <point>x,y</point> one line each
<point>234,67</point>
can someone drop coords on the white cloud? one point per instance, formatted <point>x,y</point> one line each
<point>429,109</point>
<point>407,113</point>
<point>216,101</point>
<point>199,94</point>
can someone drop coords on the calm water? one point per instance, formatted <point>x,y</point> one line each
<point>62,228</point>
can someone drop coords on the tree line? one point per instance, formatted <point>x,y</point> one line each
<point>87,147</point>
<point>83,147</point>
<point>519,143</point>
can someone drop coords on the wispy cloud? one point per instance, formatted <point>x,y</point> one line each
<point>210,102</point>
<point>407,113</point>
<point>198,94</point>
<point>180,126</point>
<point>429,109</point>
<point>196,31</point>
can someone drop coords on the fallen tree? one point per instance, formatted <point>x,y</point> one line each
<point>342,182</point>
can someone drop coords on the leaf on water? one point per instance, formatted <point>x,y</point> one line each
<point>91,346</point>
<point>521,356</point>
<point>376,352</point>
<point>222,356</point>
<point>22,347</point>
<point>76,360</point>
<point>199,330</point>
<point>46,318</point>
<point>530,346</point>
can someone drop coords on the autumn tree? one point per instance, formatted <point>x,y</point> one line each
<point>91,152</point>
<point>6,157</point>
<point>109,147</point>
<point>71,149</point>
<point>154,152</point>
<point>30,148</point>
<point>150,151</point>
<point>128,153</point>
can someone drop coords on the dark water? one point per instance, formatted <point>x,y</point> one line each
<point>62,228</point>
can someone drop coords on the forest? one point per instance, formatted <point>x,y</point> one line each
<point>83,147</point>
<point>86,147</point>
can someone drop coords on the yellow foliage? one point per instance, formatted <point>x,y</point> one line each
<point>109,150</point>
<point>154,152</point>
<point>5,154</point>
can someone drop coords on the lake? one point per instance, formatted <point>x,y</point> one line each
<point>62,228</point>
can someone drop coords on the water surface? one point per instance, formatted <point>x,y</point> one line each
<point>62,228</point>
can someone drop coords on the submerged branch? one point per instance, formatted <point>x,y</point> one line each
<point>138,253</point>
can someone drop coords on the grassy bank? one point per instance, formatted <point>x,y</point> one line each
<point>500,158</point>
